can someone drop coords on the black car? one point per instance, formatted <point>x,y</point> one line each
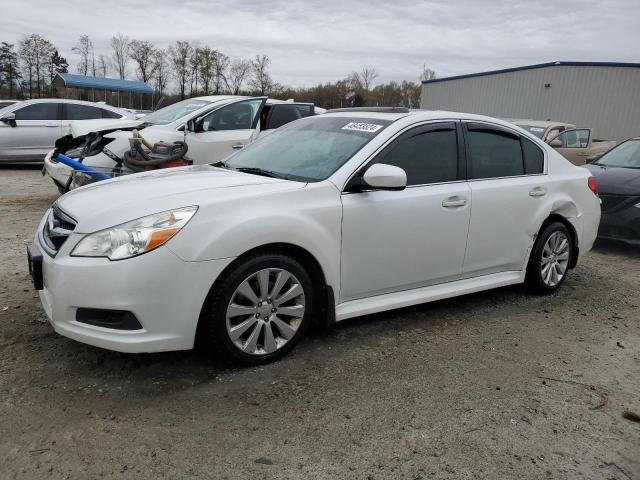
<point>618,175</point>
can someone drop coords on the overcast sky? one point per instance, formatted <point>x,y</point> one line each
<point>313,41</point>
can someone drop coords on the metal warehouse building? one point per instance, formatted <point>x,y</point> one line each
<point>601,95</point>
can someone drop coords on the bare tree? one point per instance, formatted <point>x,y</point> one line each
<point>161,70</point>
<point>222,62</point>
<point>260,80</point>
<point>84,48</point>
<point>237,74</point>
<point>179,55</point>
<point>103,66</point>
<point>367,76</point>
<point>35,52</point>
<point>427,73</point>
<point>120,54</point>
<point>142,53</point>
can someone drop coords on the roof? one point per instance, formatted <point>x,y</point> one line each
<point>103,83</point>
<point>533,67</point>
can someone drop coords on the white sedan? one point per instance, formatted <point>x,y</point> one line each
<point>29,129</point>
<point>327,218</point>
<point>215,126</point>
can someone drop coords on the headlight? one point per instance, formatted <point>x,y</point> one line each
<point>135,237</point>
<point>637,205</point>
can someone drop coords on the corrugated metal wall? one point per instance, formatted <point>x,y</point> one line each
<point>602,97</point>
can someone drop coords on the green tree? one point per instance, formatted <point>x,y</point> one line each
<point>9,67</point>
<point>57,64</point>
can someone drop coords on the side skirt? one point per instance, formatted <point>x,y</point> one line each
<point>390,301</point>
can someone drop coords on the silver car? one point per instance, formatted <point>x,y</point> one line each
<point>29,129</point>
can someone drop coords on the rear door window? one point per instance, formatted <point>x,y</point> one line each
<point>73,111</point>
<point>493,153</point>
<point>533,157</point>
<point>38,111</point>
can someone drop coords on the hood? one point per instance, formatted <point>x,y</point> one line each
<point>112,202</point>
<point>83,127</point>
<point>616,180</point>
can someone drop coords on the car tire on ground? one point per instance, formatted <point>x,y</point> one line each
<point>259,311</point>
<point>550,259</point>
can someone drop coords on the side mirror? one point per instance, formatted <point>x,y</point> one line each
<point>191,125</point>
<point>9,119</point>
<point>555,143</point>
<point>593,158</point>
<point>385,177</point>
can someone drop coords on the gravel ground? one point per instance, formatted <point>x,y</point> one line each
<point>499,384</point>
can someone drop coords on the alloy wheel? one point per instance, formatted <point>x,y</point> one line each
<point>265,311</point>
<point>555,258</point>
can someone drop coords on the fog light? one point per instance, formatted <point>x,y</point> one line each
<point>116,319</point>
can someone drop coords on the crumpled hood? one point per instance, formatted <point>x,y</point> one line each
<point>616,180</point>
<point>112,202</point>
<point>79,128</point>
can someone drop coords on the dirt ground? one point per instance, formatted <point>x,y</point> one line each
<point>495,385</point>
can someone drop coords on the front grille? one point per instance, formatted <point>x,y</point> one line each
<point>616,202</point>
<point>56,229</point>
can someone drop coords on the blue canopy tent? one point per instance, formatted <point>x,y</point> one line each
<point>82,82</point>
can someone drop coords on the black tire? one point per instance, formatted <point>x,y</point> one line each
<point>534,280</point>
<point>213,335</point>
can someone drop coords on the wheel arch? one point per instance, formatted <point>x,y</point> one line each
<point>302,255</point>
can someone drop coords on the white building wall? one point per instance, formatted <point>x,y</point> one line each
<point>605,98</point>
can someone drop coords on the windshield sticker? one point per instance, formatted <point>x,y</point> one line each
<point>536,129</point>
<point>362,127</point>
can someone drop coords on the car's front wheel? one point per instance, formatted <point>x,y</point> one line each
<point>550,258</point>
<point>260,310</point>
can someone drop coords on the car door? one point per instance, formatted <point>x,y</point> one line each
<point>507,181</point>
<point>573,144</point>
<point>398,240</point>
<point>38,126</point>
<point>224,130</point>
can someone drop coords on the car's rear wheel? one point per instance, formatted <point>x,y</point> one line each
<point>260,310</point>
<point>550,258</point>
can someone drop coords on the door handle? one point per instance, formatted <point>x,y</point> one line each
<point>538,192</point>
<point>454,202</point>
<point>237,146</point>
<point>51,125</point>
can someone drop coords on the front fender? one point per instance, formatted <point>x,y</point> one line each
<point>309,218</point>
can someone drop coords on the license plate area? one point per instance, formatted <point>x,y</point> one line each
<point>34,257</point>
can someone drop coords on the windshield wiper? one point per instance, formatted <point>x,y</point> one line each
<point>260,171</point>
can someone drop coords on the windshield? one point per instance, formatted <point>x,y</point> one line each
<point>626,155</point>
<point>537,131</point>
<point>310,149</point>
<point>173,112</point>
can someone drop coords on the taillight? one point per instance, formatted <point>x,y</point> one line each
<point>593,185</point>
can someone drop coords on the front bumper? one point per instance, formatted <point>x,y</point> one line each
<point>165,293</point>
<point>59,172</point>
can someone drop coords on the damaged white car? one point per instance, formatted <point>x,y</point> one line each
<point>199,130</point>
